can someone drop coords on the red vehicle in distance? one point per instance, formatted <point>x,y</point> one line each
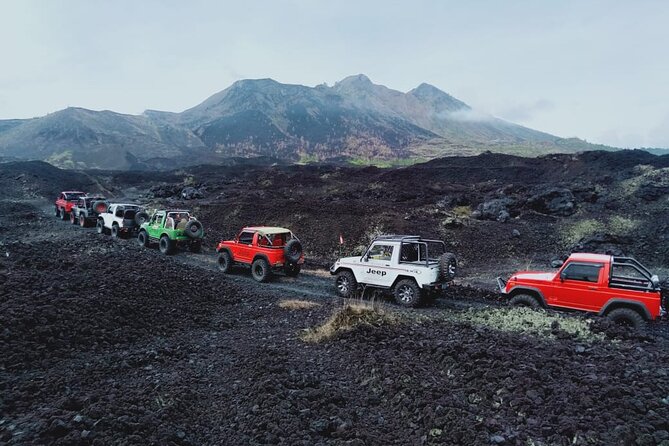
<point>265,249</point>
<point>616,287</point>
<point>66,200</point>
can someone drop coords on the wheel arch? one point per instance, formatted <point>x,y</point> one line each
<point>616,303</point>
<point>534,292</point>
<point>261,256</point>
<point>403,277</point>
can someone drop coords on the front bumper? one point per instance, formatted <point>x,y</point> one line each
<point>501,284</point>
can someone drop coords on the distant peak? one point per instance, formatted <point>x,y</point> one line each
<point>357,80</point>
<point>255,83</point>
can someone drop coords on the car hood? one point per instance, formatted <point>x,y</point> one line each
<point>535,276</point>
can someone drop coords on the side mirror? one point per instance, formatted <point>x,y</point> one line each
<point>557,263</point>
<point>655,281</point>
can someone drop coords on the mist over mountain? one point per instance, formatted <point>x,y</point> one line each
<point>354,120</point>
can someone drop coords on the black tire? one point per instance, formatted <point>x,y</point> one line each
<point>115,231</point>
<point>166,245</point>
<point>293,251</point>
<point>260,270</point>
<point>195,246</point>
<point>82,221</point>
<point>346,284</point>
<point>448,266</point>
<point>100,206</point>
<point>225,262</point>
<point>194,229</point>
<point>292,270</point>
<point>100,227</point>
<point>143,239</point>
<point>627,316</point>
<point>141,217</point>
<point>407,293</point>
<point>525,300</point>
<point>73,218</point>
<point>63,214</point>
<point>57,212</point>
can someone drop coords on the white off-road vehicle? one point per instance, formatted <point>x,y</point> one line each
<point>407,265</point>
<point>121,219</point>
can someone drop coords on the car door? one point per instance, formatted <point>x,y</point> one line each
<point>244,249</point>
<point>376,265</point>
<point>581,286</point>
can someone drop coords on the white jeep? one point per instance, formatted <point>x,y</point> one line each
<point>121,219</point>
<point>407,265</point>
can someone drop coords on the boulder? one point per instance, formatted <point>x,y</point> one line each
<point>553,201</point>
<point>191,193</point>
<point>495,209</point>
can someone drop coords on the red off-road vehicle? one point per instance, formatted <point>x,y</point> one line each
<point>65,201</point>
<point>617,287</point>
<point>266,249</point>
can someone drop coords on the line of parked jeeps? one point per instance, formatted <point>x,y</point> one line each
<point>410,268</point>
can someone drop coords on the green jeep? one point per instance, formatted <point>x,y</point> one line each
<point>171,229</point>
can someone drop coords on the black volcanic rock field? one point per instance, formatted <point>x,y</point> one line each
<point>103,342</point>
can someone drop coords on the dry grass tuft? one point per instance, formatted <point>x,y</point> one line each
<point>296,304</point>
<point>347,318</point>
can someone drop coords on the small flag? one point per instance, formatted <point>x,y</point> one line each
<point>341,239</point>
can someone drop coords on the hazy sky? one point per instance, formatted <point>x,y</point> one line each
<point>598,70</point>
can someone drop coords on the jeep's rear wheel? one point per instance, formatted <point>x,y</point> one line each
<point>628,317</point>
<point>143,239</point>
<point>82,220</point>
<point>115,231</point>
<point>63,214</point>
<point>57,212</point>
<point>224,262</point>
<point>525,300</point>
<point>346,284</point>
<point>260,270</point>
<point>166,245</point>
<point>100,227</point>
<point>407,293</point>
<point>73,218</point>
<point>292,270</point>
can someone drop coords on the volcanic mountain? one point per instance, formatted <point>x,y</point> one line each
<point>353,121</point>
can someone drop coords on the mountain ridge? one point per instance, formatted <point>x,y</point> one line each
<point>354,119</point>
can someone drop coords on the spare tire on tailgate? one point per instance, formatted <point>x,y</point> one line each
<point>100,206</point>
<point>447,266</point>
<point>194,229</point>
<point>293,250</point>
<point>141,217</point>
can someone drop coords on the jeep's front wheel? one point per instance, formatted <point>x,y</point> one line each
<point>115,231</point>
<point>63,214</point>
<point>57,212</point>
<point>628,317</point>
<point>143,239</point>
<point>292,270</point>
<point>166,246</point>
<point>73,218</point>
<point>407,293</point>
<point>346,284</point>
<point>100,227</point>
<point>82,220</point>
<point>260,270</point>
<point>224,262</point>
<point>525,300</point>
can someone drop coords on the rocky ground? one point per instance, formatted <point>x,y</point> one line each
<point>102,342</point>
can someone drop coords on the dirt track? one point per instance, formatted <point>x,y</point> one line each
<point>102,342</point>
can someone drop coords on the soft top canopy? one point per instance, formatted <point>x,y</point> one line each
<point>266,229</point>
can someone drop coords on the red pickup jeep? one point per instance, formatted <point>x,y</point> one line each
<point>65,201</point>
<point>265,249</point>
<point>617,287</point>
